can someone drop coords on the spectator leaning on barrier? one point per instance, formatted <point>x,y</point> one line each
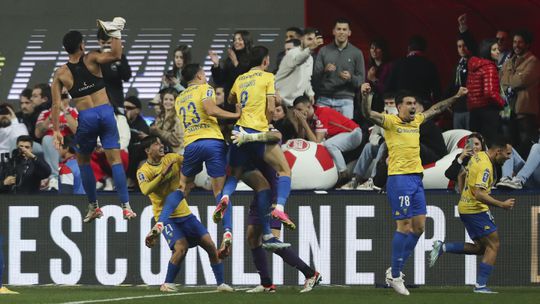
<point>520,77</point>
<point>25,170</point>
<point>293,77</point>
<point>339,71</point>
<point>340,134</point>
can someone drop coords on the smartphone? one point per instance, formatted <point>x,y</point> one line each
<point>470,143</point>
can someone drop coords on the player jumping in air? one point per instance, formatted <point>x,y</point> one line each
<point>254,91</point>
<point>404,186</point>
<point>473,209</point>
<point>83,79</point>
<point>158,179</point>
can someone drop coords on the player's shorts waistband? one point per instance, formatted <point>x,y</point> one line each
<point>96,108</point>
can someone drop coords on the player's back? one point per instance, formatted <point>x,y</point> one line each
<point>196,122</point>
<point>147,172</point>
<point>403,142</point>
<point>480,174</point>
<point>251,90</point>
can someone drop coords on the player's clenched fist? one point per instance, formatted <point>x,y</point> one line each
<point>462,92</point>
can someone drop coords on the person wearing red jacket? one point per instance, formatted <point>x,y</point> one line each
<point>484,100</point>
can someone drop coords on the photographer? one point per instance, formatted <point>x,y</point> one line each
<point>25,170</point>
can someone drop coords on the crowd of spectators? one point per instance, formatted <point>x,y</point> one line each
<point>317,92</point>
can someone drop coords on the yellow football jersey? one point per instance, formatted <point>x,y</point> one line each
<point>403,142</point>
<point>196,123</point>
<point>168,184</point>
<point>251,90</point>
<point>480,174</point>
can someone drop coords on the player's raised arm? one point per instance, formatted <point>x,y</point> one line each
<point>56,92</point>
<point>114,30</point>
<point>442,106</point>
<point>367,97</point>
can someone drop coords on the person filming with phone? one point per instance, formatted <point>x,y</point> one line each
<point>475,143</point>
<point>24,172</point>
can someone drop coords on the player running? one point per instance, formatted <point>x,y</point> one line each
<point>203,140</point>
<point>254,91</point>
<point>473,209</point>
<point>404,187</point>
<point>83,79</point>
<point>158,179</point>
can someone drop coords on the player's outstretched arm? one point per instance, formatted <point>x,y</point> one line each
<point>241,137</point>
<point>442,106</point>
<point>114,30</point>
<point>367,97</point>
<point>212,109</point>
<point>482,196</point>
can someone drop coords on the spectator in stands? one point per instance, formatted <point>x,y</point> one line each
<point>475,143</point>
<point>520,77</point>
<point>98,159</point>
<point>502,37</point>
<point>114,73</point>
<point>291,33</point>
<point>10,130</point>
<point>293,77</point>
<point>44,132</point>
<point>466,47</point>
<point>139,130</point>
<point>291,123</point>
<point>69,174</point>
<point>415,73</point>
<point>237,61</point>
<point>339,133</point>
<point>26,108</point>
<point>504,44</point>
<point>167,125</point>
<point>41,101</point>
<point>484,100</point>
<point>525,170</point>
<point>363,177</point>
<point>378,71</point>
<point>339,71</point>
<point>220,95</point>
<point>173,77</point>
<point>25,171</point>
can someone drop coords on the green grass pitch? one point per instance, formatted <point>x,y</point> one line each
<point>285,295</point>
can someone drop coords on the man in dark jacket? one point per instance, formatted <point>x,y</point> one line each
<point>23,174</point>
<point>415,73</point>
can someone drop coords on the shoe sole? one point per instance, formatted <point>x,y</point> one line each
<point>276,247</point>
<point>286,222</point>
<point>96,215</point>
<point>220,211</point>
<point>433,259</point>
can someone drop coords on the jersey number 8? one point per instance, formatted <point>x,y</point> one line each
<point>183,112</point>
<point>243,98</point>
